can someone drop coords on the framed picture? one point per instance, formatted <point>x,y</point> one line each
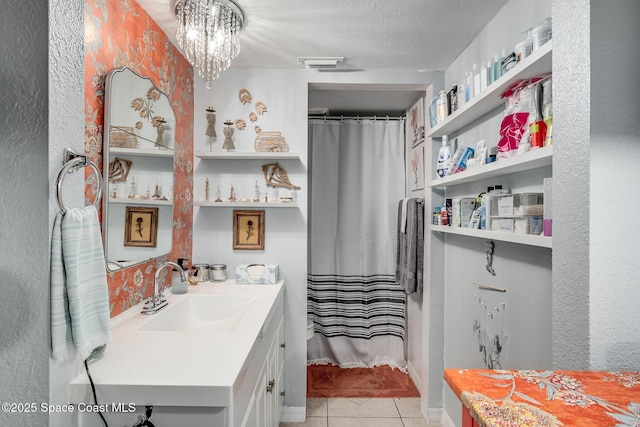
<point>416,172</point>
<point>248,230</point>
<point>415,119</point>
<point>141,227</point>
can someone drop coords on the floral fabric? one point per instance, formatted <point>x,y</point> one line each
<point>119,33</point>
<point>548,398</point>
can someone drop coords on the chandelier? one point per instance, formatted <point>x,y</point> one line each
<point>209,34</point>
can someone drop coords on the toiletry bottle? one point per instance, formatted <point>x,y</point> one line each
<point>476,80</point>
<point>497,62</point>
<point>441,106</point>
<point>444,157</point>
<point>537,128</point>
<point>462,92</point>
<point>483,77</point>
<point>468,85</point>
<point>489,72</point>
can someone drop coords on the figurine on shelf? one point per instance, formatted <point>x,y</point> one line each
<point>211,122</point>
<point>160,128</point>
<point>132,190</point>
<point>156,194</point>
<point>232,195</point>
<point>256,197</point>
<point>206,190</point>
<point>228,133</point>
<point>218,195</point>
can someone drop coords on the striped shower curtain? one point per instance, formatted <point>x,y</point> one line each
<point>357,177</point>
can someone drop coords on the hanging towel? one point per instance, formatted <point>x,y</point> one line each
<point>403,216</point>
<point>410,249</point>
<point>79,294</point>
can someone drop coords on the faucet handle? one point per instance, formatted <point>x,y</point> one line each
<point>149,303</point>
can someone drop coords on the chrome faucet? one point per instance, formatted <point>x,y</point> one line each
<point>158,301</point>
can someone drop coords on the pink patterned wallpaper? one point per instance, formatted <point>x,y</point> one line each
<point>119,33</point>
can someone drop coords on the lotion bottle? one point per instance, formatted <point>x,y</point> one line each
<point>444,157</point>
<point>476,80</point>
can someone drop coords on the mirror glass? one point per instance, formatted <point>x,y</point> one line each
<point>139,136</point>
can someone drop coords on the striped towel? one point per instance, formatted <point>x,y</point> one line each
<point>80,316</point>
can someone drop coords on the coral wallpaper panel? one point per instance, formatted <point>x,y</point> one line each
<point>119,33</point>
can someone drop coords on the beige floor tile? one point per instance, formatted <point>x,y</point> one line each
<point>409,407</point>
<point>310,422</point>
<point>362,408</point>
<point>316,407</point>
<point>417,422</point>
<point>364,422</point>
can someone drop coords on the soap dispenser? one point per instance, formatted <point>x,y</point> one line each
<point>177,285</point>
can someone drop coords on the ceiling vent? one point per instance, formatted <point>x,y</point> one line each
<point>321,63</point>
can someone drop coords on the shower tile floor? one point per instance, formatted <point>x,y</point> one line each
<point>363,412</point>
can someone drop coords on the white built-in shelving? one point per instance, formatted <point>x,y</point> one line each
<point>533,159</point>
<point>523,239</point>
<point>146,152</point>
<point>135,201</point>
<point>247,155</point>
<point>537,64</point>
<point>244,205</point>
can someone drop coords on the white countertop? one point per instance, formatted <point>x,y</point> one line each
<point>176,368</point>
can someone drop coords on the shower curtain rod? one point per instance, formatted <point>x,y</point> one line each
<point>374,118</point>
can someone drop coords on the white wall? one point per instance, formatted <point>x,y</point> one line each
<point>615,146</point>
<point>524,271</point>
<point>66,129</point>
<point>571,182</point>
<point>24,266</point>
<point>285,94</point>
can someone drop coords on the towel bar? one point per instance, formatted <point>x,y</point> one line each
<point>72,162</point>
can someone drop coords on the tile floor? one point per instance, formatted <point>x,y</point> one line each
<point>363,412</point>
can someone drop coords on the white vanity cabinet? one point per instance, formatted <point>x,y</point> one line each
<point>267,394</point>
<point>229,375</point>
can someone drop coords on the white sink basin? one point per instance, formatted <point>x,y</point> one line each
<point>209,313</point>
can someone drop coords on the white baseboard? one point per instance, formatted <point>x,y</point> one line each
<point>434,415</point>
<point>446,420</point>
<point>414,376</point>
<point>293,414</point>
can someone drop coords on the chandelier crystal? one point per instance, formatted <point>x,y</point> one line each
<point>209,34</point>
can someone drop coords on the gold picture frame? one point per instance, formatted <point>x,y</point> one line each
<point>248,229</point>
<point>141,227</point>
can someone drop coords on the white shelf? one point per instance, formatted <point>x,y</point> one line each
<point>523,239</point>
<point>538,63</point>
<point>147,152</point>
<point>533,159</point>
<point>247,155</point>
<point>244,205</point>
<point>127,201</point>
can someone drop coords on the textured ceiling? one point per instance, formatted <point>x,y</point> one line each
<point>369,34</point>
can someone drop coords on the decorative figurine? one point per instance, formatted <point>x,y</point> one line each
<point>132,190</point>
<point>156,194</point>
<point>206,190</point>
<point>228,133</point>
<point>232,195</point>
<point>218,195</point>
<point>211,122</point>
<point>245,96</point>
<point>256,196</point>
<point>276,176</point>
<point>160,128</point>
